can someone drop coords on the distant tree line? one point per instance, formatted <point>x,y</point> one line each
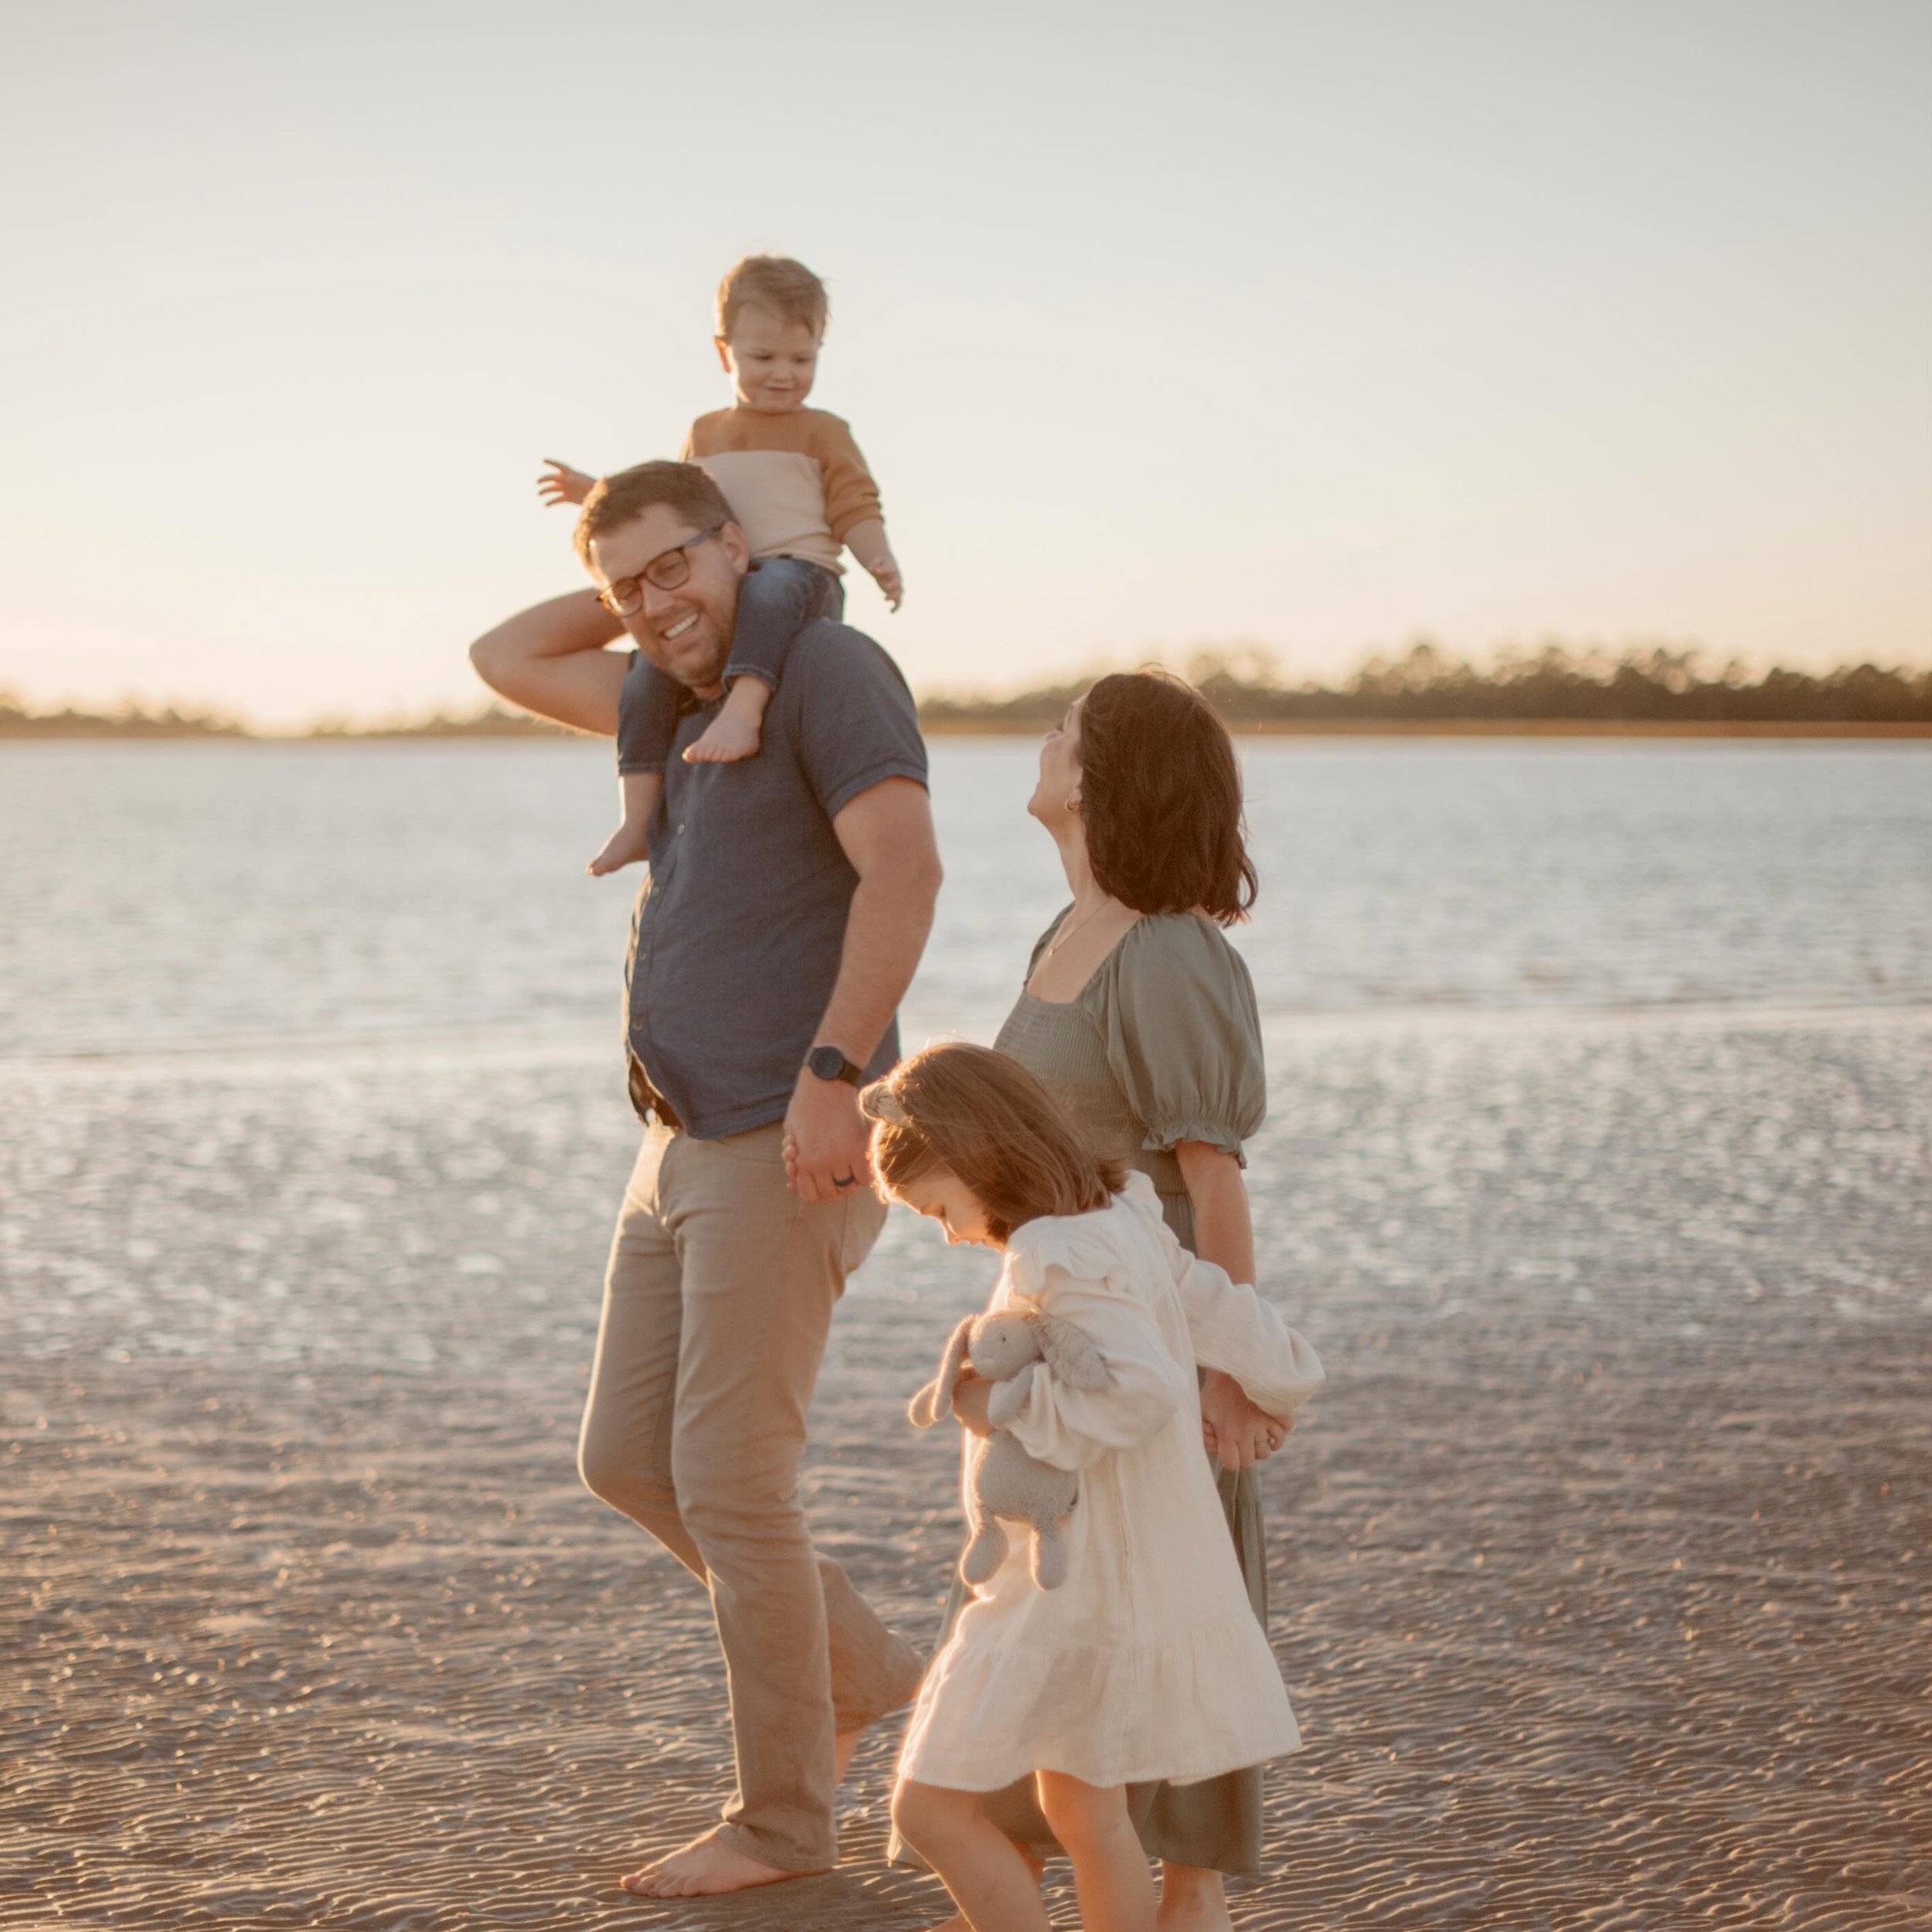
<point>124,721</point>
<point>1553,684</point>
<point>1650,684</point>
<point>134,720</point>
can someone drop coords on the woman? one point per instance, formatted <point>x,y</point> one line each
<point>1140,1018</point>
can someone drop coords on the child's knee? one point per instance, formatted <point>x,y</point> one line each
<point>923,1813</point>
<point>1082,1815</point>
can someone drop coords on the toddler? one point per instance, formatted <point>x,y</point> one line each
<point>799,489</point>
<point>1147,1662</point>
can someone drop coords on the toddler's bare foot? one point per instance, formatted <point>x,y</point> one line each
<point>625,846</point>
<point>739,726</point>
<point>702,1869</point>
<point>725,740</point>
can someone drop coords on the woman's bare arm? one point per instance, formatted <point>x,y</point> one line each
<point>1236,1431</point>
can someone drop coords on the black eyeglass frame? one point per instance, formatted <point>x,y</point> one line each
<point>669,571</point>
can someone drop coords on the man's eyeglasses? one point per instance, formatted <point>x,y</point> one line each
<point>668,570</point>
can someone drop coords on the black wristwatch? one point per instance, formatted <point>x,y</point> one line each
<point>829,1064</point>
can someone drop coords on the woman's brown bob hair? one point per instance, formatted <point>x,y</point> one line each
<point>1161,795</point>
<point>985,1119</point>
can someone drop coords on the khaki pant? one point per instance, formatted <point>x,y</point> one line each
<point>716,1306</point>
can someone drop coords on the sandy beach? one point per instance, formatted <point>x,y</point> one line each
<point>1599,1570</point>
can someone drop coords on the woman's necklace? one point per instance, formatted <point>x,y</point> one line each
<point>1060,938</point>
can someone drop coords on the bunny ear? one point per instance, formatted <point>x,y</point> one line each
<point>934,1402</point>
<point>1070,1355</point>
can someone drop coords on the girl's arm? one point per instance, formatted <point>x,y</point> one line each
<point>1070,1427</point>
<point>1238,1432</point>
<point>1244,1343</point>
<point>1234,1330</point>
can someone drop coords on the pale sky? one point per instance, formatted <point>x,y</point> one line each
<point>1312,324</point>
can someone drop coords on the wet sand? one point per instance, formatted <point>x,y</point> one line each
<point>1599,1569</point>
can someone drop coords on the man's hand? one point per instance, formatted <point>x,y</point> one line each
<point>827,1139</point>
<point>1232,1429</point>
<point>885,573</point>
<point>971,1392</point>
<point>560,483</point>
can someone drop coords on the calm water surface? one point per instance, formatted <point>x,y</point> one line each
<point>182,894</point>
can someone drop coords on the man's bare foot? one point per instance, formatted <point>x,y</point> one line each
<point>1191,1900</point>
<point>625,847</point>
<point>702,1869</point>
<point>725,740</point>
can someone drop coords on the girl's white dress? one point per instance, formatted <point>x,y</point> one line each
<point>1146,1662</point>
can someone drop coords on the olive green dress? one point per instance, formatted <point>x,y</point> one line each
<point>1162,1045</point>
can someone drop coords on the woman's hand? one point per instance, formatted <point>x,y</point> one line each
<point>560,483</point>
<point>970,1394</point>
<point>1234,1430</point>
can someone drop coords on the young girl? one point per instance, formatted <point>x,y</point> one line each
<point>1147,1662</point>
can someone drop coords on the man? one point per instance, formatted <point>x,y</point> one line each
<point>788,900</point>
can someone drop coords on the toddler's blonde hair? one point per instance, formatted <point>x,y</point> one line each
<point>776,283</point>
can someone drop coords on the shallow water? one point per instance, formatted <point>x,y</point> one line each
<point>179,895</point>
<point>1598,1569</point>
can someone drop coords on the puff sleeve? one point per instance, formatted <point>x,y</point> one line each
<point>1183,1036</point>
<point>1068,1427</point>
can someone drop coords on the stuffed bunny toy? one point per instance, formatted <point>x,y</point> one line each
<point>1009,1348</point>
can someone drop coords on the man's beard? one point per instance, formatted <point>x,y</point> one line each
<point>706,676</point>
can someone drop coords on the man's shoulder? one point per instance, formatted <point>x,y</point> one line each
<point>829,650</point>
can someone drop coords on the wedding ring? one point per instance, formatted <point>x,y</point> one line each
<point>843,1180</point>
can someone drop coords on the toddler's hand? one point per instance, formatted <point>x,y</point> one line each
<point>560,483</point>
<point>885,574</point>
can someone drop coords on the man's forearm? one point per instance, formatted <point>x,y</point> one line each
<point>885,932</point>
<point>550,659</point>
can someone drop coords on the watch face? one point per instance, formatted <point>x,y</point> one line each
<point>827,1061</point>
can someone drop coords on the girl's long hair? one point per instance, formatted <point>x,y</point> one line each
<point>984,1119</point>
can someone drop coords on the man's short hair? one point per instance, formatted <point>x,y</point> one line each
<point>681,487</point>
<point>788,289</point>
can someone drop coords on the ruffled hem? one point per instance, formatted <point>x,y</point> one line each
<point>1088,1247</point>
<point>1163,1136</point>
<point>1205,1702</point>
